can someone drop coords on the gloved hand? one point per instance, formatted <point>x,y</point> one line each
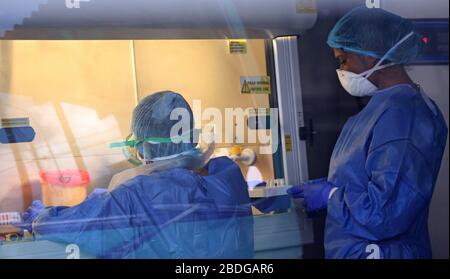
<point>30,215</point>
<point>315,193</point>
<point>96,192</point>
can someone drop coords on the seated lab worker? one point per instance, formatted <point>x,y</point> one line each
<point>387,158</point>
<point>164,208</point>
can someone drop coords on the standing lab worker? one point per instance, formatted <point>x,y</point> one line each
<point>386,161</point>
<point>164,208</point>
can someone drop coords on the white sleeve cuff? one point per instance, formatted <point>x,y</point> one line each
<point>332,192</point>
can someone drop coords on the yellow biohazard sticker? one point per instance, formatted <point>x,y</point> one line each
<point>255,85</point>
<point>288,143</point>
<point>237,46</point>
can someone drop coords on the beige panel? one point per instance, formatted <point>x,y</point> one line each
<point>204,70</point>
<point>93,74</point>
<point>79,96</point>
<point>5,65</point>
<point>200,70</point>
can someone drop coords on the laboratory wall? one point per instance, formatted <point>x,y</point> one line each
<point>78,97</point>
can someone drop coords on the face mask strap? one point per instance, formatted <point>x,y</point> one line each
<point>377,67</point>
<point>368,73</point>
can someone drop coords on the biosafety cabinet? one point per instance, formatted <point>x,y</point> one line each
<point>71,73</point>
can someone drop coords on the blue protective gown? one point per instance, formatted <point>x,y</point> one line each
<point>385,163</point>
<point>174,213</point>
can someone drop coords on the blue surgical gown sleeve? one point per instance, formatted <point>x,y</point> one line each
<point>398,186</point>
<point>98,225</point>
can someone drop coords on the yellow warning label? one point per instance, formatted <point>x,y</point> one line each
<point>237,46</point>
<point>246,88</point>
<point>288,143</point>
<point>255,85</point>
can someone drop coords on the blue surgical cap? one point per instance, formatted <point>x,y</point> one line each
<point>151,118</point>
<point>373,32</point>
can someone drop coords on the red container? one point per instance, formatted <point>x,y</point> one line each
<point>64,188</point>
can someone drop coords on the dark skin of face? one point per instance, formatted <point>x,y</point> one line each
<point>384,78</point>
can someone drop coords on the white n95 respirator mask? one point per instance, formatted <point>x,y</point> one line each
<point>358,85</point>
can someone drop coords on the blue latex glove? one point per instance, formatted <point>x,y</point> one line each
<point>96,192</point>
<point>269,204</point>
<point>30,214</point>
<point>315,193</point>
